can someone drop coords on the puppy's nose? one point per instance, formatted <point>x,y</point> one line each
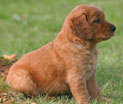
<point>113,28</point>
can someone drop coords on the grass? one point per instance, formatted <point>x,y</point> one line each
<point>26,25</point>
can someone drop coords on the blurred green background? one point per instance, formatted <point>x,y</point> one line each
<point>26,25</point>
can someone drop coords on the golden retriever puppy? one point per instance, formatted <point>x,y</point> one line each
<point>68,63</point>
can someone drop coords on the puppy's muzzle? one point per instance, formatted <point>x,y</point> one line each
<point>112,28</point>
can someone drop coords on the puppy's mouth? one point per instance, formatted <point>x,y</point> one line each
<point>107,36</point>
<point>104,38</point>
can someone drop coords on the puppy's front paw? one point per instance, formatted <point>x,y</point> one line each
<point>104,99</point>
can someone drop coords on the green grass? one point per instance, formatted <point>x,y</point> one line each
<point>26,25</point>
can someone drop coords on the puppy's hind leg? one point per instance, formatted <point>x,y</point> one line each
<point>21,81</point>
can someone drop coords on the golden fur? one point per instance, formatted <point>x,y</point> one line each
<point>67,64</point>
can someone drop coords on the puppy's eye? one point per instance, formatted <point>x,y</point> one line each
<point>97,21</point>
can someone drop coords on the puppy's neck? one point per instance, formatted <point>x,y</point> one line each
<point>88,44</point>
<point>68,37</point>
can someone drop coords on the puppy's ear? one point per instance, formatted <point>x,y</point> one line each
<point>80,27</point>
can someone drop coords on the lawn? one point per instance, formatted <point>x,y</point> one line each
<point>26,25</point>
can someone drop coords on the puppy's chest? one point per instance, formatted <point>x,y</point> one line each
<point>89,65</point>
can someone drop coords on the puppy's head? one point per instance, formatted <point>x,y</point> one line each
<point>88,22</point>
